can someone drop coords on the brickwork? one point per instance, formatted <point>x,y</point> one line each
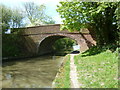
<point>41,38</point>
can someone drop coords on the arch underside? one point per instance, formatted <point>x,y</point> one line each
<point>45,46</point>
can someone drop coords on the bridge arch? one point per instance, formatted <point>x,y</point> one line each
<point>45,45</point>
<point>35,37</point>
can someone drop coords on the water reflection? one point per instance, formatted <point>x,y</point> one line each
<point>31,73</point>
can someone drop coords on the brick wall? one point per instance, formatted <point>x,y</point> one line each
<point>35,36</point>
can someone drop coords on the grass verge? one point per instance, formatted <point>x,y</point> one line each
<point>63,77</point>
<point>99,70</point>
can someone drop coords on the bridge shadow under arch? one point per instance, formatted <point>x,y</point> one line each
<point>46,45</point>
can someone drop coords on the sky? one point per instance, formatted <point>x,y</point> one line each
<point>51,6</point>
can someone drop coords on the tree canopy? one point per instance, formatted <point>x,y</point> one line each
<point>98,16</point>
<point>16,18</point>
<point>36,14</point>
<point>11,18</point>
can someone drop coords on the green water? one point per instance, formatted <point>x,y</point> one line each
<point>31,73</point>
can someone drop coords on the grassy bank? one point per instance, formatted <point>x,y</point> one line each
<point>63,77</point>
<point>97,69</point>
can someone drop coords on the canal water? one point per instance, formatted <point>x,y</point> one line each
<point>31,73</point>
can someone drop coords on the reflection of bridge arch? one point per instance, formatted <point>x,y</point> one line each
<point>41,37</point>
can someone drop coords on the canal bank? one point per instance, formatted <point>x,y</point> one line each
<point>62,79</point>
<point>93,70</point>
<point>67,74</point>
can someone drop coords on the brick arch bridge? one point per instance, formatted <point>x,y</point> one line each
<point>39,39</point>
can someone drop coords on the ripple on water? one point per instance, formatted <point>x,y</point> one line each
<point>32,73</point>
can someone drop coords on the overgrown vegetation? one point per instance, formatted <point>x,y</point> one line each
<point>100,17</point>
<point>64,44</point>
<point>98,68</point>
<point>63,78</point>
<point>12,45</point>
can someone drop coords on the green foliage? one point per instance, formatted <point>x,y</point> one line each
<point>117,12</point>
<point>63,78</point>
<point>99,70</point>
<point>12,45</point>
<point>63,44</point>
<point>97,16</point>
<point>11,18</point>
<point>6,14</point>
<point>98,49</point>
<point>17,19</point>
<point>36,14</point>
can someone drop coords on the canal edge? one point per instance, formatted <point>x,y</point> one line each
<point>57,75</point>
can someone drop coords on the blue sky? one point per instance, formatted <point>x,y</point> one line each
<point>50,6</point>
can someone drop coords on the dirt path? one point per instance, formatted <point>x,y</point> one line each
<point>73,73</point>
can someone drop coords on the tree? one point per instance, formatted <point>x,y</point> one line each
<point>63,44</point>
<point>36,14</point>
<point>117,12</point>
<point>98,16</point>
<point>17,19</point>
<point>5,18</point>
<point>11,18</point>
